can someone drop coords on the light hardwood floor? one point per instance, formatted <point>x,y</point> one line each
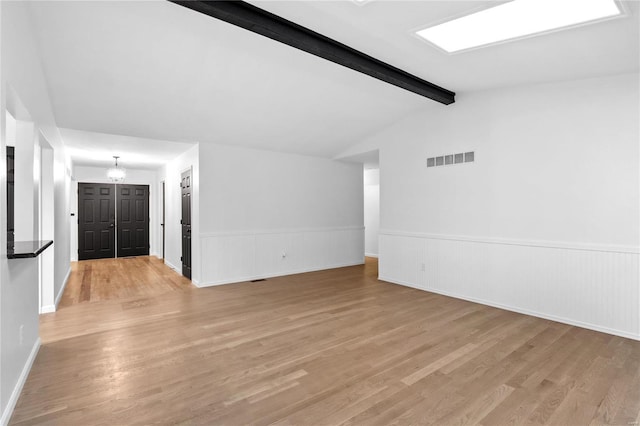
<point>323,348</point>
<point>108,279</point>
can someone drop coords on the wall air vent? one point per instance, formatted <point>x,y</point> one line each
<point>451,159</point>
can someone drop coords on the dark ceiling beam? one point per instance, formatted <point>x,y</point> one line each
<point>260,21</point>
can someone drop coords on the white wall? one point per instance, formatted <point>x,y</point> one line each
<point>371,211</point>
<point>24,180</point>
<point>266,213</point>
<point>22,81</point>
<point>170,174</point>
<point>61,240</point>
<point>47,225</point>
<point>85,174</point>
<point>546,221</point>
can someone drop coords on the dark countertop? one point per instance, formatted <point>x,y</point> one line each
<point>25,249</point>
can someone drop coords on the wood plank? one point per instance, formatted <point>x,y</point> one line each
<point>326,347</point>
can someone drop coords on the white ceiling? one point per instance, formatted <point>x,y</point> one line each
<point>98,149</point>
<point>369,159</point>
<point>386,31</point>
<point>156,70</point>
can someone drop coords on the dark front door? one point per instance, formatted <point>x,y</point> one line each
<point>185,185</point>
<point>163,217</point>
<point>96,220</point>
<point>133,220</point>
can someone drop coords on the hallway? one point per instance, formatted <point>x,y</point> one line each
<point>109,279</point>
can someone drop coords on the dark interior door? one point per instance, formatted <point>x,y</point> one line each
<point>133,220</point>
<point>185,185</point>
<point>96,220</point>
<point>163,217</point>
<point>10,195</point>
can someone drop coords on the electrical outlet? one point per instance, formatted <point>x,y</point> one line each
<point>423,267</point>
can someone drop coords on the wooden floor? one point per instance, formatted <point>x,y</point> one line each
<point>108,279</point>
<point>323,348</point>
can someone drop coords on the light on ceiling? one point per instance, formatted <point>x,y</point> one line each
<point>116,174</point>
<point>516,19</point>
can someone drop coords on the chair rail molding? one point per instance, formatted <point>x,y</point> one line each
<point>518,242</point>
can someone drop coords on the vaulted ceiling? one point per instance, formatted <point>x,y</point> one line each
<point>156,70</point>
<point>386,30</point>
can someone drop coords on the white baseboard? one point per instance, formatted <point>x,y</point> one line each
<point>179,271</point>
<point>11,404</point>
<point>371,255</point>
<point>259,277</point>
<point>47,309</point>
<point>64,285</point>
<point>171,265</point>
<point>520,310</point>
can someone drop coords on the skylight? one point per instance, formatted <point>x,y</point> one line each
<point>516,19</point>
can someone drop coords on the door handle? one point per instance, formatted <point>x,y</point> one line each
<point>111,225</point>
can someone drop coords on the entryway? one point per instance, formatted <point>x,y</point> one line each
<point>113,220</point>
<point>132,281</point>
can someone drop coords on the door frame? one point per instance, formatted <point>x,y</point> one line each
<point>164,216</point>
<point>46,228</point>
<point>119,187</point>
<point>76,220</point>
<point>188,274</point>
<point>112,214</point>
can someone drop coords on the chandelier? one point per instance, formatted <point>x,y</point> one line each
<point>116,174</point>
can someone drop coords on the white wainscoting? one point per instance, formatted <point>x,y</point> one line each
<point>591,286</point>
<point>229,257</point>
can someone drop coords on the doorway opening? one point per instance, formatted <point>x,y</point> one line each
<point>30,194</point>
<point>371,210</point>
<point>113,220</point>
<point>370,161</point>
